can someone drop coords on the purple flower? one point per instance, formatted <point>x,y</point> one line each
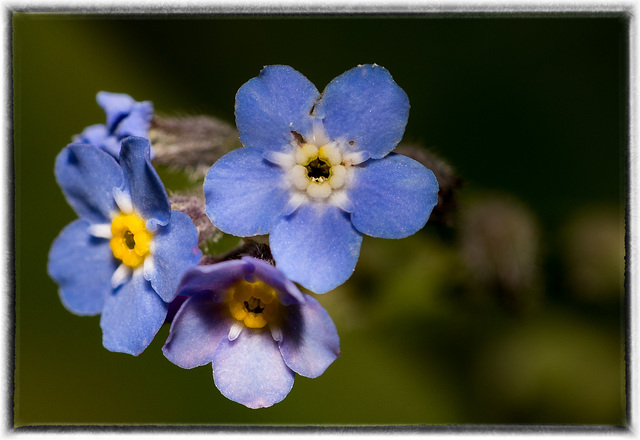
<point>125,117</point>
<point>317,171</point>
<point>124,257</point>
<point>254,326</point>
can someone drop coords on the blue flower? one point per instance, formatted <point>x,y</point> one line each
<point>125,117</point>
<point>123,258</point>
<point>317,171</point>
<point>254,326</point>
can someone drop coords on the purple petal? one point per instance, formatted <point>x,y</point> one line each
<point>176,250</point>
<point>272,105</point>
<point>250,370</point>
<point>245,194</point>
<point>288,293</point>
<point>310,343</point>
<point>115,105</point>
<point>366,106</point>
<point>147,191</point>
<point>213,278</point>
<point>132,316</point>
<point>316,246</point>
<point>196,330</point>
<point>87,176</point>
<point>392,197</point>
<point>82,266</point>
<point>174,306</point>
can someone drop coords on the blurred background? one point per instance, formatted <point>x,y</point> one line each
<point>507,308</point>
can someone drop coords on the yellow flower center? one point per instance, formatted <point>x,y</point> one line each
<point>130,240</point>
<point>318,171</point>
<point>254,304</point>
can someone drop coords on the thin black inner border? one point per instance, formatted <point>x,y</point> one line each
<point>623,12</point>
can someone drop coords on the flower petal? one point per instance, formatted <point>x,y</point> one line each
<point>132,316</point>
<point>93,134</point>
<point>288,293</point>
<point>392,197</point>
<point>250,370</point>
<point>245,194</point>
<point>316,246</point>
<point>272,105</point>
<point>82,265</point>
<point>175,251</point>
<point>147,191</point>
<point>366,106</point>
<point>115,105</point>
<point>212,278</point>
<point>89,192</point>
<point>137,122</point>
<point>196,330</point>
<point>310,339</point>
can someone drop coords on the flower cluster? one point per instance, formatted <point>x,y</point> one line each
<point>316,172</point>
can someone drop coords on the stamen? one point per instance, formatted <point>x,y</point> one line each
<point>253,305</point>
<point>318,170</point>
<point>129,240</point>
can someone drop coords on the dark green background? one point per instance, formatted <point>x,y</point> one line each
<point>534,107</point>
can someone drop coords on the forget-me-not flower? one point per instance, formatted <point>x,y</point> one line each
<point>125,117</point>
<point>123,258</point>
<point>254,326</point>
<point>316,171</point>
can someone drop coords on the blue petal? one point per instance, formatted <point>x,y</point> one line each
<point>288,293</point>
<point>366,106</point>
<point>250,370</point>
<point>196,330</point>
<point>82,266</point>
<point>147,191</point>
<point>213,278</point>
<point>137,122</point>
<point>132,316</point>
<point>310,340</point>
<point>87,176</point>
<point>99,136</point>
<point>316,246</point>
<point>112,146</point>
<point>175,251</point>
<point>392,197</point>
<point>115,105</point>
<point>93,134</point>
<point>272,105</point>
<point>245,194</point>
